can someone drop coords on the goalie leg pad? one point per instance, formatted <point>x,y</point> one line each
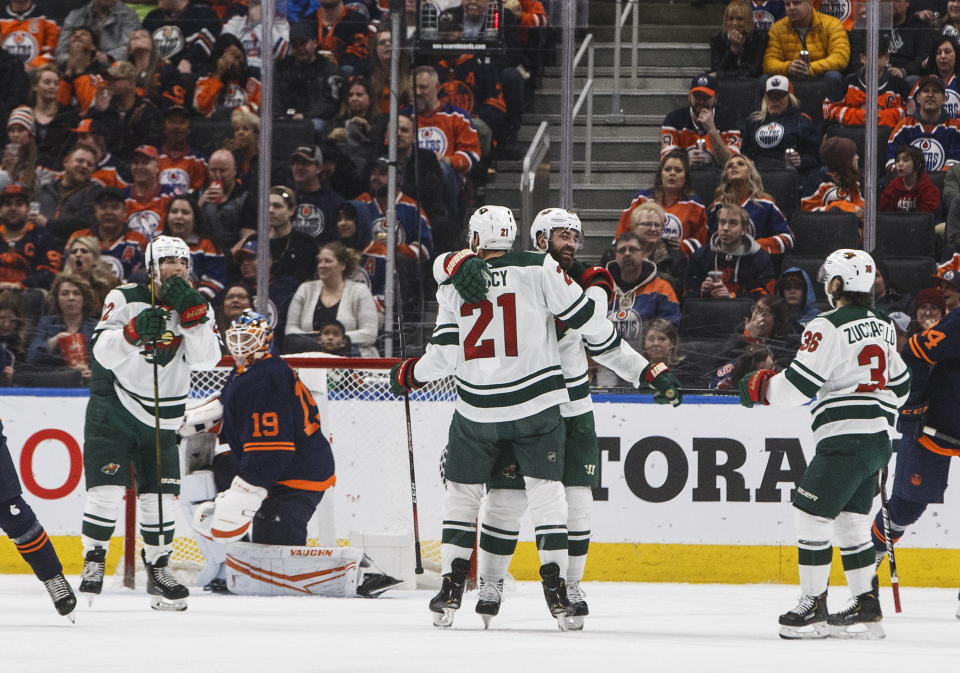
<point>579,515</point>
<point>100,515</point>
<point>282,519</point>
<point>281,570</point>
<point>197,491</point>
<point>499,531</point>
<point>153,546</point>
<point>548,511</point>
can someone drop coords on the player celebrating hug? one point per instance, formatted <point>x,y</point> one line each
<point>160,330</point>
<point>849,362</point>
<point>502,346</point>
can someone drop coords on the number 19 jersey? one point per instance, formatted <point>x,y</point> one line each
<point>848,359</point>
<point>503,350</point>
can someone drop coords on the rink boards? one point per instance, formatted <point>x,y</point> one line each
<point>698,493</point>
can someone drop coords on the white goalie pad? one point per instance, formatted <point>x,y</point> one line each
<point>278,570</point>
<point>197,491</point>
<point>202,418</point>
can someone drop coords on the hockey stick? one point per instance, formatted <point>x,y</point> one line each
<point>885,510</point>
<point>156,408</point>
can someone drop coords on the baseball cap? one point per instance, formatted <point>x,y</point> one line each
<point>311,153</point>
<point>14,190</point>
<point>778,83</point>
<point>89,126</point>
<point>931,79</point>
<point>148,151</point>
<point>249,248</point>
<point>176,109</point>
<point>950,276</point>
<point>300,33</point>
<point>705,83</point>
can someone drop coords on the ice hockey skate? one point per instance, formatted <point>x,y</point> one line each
<point>91,579</point>
<point>488,602</point>
<point>806,621</point>
<point>555,593</point>
<point>374,584</point>
<point>862,610</point>
<point>446,603</point>
<point>166,592</point>
<point>62,596</point>
<point>578,606</point>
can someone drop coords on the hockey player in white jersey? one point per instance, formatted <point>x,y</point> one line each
<point>558,232</point>
<point>162,323</point>
<point>503,350</point>
<point>848,362</point>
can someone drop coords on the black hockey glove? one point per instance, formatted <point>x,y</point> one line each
<point>401,377</point>
<point>146,326</point>
<point>665,383</point>
<point>592,276</point>
<point>911,420</point>
<point>190,304</point>
<point>469,275</point>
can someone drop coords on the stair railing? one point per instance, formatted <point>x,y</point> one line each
<point>535,155</point>
<point>586,97</point>
<point>621,20</point>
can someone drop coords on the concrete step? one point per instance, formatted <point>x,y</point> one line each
<point>584,196</point>
<point>682,54</point>
<point>641,101</point>
<point>670,12</point>
<point>675,80</point>
<point>658,32</point>
<point>620,132</point>
<point>629,170</point>
<point>602,117</point>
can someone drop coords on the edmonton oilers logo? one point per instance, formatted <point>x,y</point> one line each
<point>769,135</point>
<point>21,45</point>
<point>309,220</point>
<point>168,40</point>
<point>835,194</point>
<point>176,178</point>
<point>933,153</point>
<point>433,139</point>
<point>145,222</point>
<point>628,323</point>
<point>836,8</point>
<point>763,19</point>
<point>672,228</point>
<point>952,104</point>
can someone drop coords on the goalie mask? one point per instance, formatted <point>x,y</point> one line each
<point>494,226</point>
<point>162,247</point>
<point>549,219</point>
<point>855,268</point>
<point>249,336</point>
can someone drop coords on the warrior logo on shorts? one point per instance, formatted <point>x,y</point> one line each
<point>551,456</point>
<point>110,468</point>
<point>933,153</point>
<point>14,510</point>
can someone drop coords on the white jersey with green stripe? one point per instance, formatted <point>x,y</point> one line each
<point>503,351</point>
<point>129,368</point>
<point>848,361</point>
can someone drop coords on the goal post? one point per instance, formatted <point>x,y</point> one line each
<point>366,427</point>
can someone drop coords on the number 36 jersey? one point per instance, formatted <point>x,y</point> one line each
<point>271,422</point>
<point>503,350</point>
<point>848,360</point>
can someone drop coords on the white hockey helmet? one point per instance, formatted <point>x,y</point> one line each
<point>549,219</point>
<point>855,268</point>
<point>249,335</point>
<point>162,247</point>
<point>494,226</point>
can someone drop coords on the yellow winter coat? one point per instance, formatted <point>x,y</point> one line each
<point>827,43</point>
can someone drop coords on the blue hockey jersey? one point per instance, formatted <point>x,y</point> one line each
<point>933,357</point>
<point>271,422</point>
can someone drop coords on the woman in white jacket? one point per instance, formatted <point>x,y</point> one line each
<point>333,297</point>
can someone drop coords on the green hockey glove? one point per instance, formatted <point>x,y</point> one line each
<point>190,304</point>
<point>753,387</point>
<point>146,326</point>
<point>401,377</point>
<point>469,275</point>
<point>666,384</point>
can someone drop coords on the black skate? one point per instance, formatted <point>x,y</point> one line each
<point>578,606</point>
<point>62,596</point>
<point>445,604</point>
<point>863,609</point>
<point>555,593</point>
<point>807,620</point>
<point>217,586</point>
<point>488,602</point>
<point>167,594</point>
<point>91,580</point>
<point>374,584</point>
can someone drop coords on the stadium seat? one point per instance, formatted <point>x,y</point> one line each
<point>704,182</point>
<point>905,234</point>
<point>738,97</point>
<point>702,358</point>
<point>910,274</point>
<point>822,233</point>
<point>289,134</point>
<point>712,318</point>
<point>937,178</point>
<point>783,186</point>
<point>207,135</point>
<point>811,93</point>
<point>856,134</point>
<point>811,264</point>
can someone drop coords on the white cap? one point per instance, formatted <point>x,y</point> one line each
<point>778,83</point>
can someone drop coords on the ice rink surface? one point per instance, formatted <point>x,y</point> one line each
<point>660,628</point>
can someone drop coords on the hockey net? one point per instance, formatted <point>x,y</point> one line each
<point>366,426</point>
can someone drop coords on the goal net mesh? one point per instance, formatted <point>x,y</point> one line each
<point>367,429</point>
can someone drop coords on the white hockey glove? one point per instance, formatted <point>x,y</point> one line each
<point>203,518</point>
<point>234,511</point>
<point>206,417</point>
